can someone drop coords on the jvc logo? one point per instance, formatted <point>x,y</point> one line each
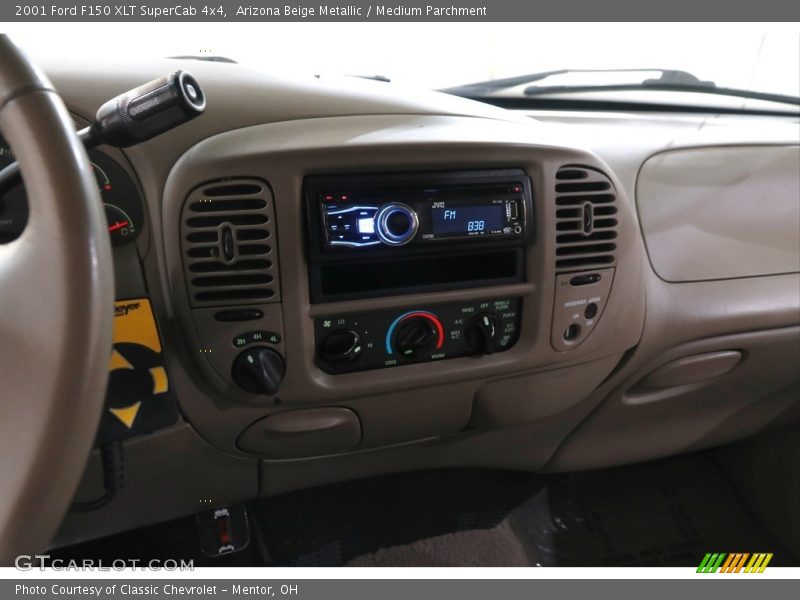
<point>437,205</point>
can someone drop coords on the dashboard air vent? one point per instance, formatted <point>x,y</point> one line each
<point>229,245</point>
<point>586,219</point>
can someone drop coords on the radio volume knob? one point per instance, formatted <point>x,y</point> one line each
<point>396,224</point>
<point>483,332</point>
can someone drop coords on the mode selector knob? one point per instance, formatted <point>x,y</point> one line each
<point>341,347</point>
<point>483,332</point>
<point>396,224</point>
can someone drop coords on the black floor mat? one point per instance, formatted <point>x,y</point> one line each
<point>662,513</point>
<point>333,524</point>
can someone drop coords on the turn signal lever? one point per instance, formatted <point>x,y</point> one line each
<point>146,111</point>
<point>135,116</point>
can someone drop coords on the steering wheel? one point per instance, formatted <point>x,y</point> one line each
<point>56,313</point>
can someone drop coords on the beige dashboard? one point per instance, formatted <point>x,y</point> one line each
<point>656,368</point>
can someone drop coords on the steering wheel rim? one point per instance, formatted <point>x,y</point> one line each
<point>56,313</point>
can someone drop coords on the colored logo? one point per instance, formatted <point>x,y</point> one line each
<point>743,562</point>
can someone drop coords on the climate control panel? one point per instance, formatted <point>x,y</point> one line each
<point>391,338</point>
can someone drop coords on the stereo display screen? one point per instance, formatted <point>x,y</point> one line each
<point>468,220</point>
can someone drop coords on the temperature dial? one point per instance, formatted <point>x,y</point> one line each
<point>415,334</point>
<point>415,337</point>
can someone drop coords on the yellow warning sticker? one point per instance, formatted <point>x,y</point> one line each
<point>136,346</point>
<point>134,323</point>
<point>118,361</point>
<point>160,383</point>
<point>127,414</point>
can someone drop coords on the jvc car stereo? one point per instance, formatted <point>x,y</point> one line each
<point>403,233</point>
<point>367,213</point>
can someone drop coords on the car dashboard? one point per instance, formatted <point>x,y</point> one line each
<point>353,279</point>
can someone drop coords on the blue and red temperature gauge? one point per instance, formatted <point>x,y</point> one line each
<point>414,334</point>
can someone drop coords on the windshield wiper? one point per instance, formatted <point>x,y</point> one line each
<point>205,57</point>
<point>382,78</point>
<point>495,85</point>
<point>670,80</point>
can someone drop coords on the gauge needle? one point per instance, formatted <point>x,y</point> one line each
<point>117,225</point>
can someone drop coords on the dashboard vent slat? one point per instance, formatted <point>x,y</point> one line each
<point>233,189</point>
<point>218,267</point>
<point>233,280</point>
<point>202,236</point>
<point>580,240</point>
<point>227,205</point>
<point>234,218</point>
<point>586,229</point>
<point>225,257</point>
<point>573,200</point>
<point>234,297</point>
<point>571,174</point>
<point>583,186</point>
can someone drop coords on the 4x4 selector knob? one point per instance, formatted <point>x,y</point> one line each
<point>339,347</point>
<point>396,224</point>
<point>483,332</point>
<point>259,370</point>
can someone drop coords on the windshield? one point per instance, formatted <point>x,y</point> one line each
<point>757,57</point>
